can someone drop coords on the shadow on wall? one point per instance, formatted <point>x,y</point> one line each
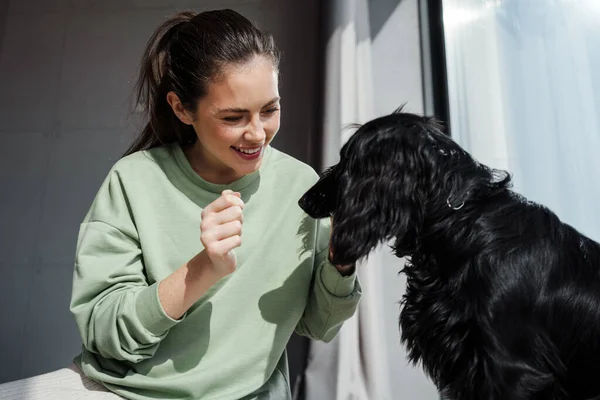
<point>380,14</point>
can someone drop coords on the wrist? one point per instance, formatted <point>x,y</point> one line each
<point>345,270</point>
<point>180,290</point>
<point>203,268</point>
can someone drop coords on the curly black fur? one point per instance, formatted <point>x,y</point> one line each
<point>502,299</point>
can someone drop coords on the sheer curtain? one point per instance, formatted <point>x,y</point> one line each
<point>524,94</point>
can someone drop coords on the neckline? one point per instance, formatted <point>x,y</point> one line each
<point>236,186</point>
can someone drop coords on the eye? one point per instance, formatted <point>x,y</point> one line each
<point>232,119</point>
<point>271,110</point>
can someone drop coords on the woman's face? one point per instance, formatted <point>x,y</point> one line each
<point>235,121</point>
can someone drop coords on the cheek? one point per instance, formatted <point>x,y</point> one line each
<point>215,134</point>
<point>228,134</point>
<point>272,126</point>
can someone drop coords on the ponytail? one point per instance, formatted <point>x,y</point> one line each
<point>152,87</point>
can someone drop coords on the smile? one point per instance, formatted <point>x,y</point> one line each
<point>248,150</point>
<point>248,153</point>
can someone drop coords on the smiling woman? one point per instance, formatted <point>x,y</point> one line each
<point>219,101</point>
<point>171,299</point>
<point>234,122</point>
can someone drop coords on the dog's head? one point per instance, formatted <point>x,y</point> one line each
<point>394,173</point>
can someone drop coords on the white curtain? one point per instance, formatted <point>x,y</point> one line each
<point>524,94</point>
<point>354,365</point>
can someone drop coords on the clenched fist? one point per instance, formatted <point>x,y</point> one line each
<point>221,231</point>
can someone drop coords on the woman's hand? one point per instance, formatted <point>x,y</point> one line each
<point>344,270</point>
<point>221,230</point>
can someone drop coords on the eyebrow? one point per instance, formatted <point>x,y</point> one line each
<point>243,110</point>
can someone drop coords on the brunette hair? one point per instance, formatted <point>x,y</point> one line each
<point>184,54</point>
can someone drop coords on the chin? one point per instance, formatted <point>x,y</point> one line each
<point>242,168</point>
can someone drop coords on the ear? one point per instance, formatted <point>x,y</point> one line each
<point>184,115</point>
<point>373,211</point>
<point>320,200</point>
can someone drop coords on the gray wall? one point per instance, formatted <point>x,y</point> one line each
<point>66,72</point>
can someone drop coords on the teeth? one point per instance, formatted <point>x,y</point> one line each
<point>249,151</point>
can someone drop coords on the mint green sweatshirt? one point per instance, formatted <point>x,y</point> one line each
<point>144,224</point>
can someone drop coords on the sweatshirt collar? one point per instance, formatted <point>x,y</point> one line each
<point>236,186</point>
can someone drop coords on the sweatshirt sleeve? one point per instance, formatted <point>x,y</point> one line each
<point>117,313</point>
<point>333,298</point>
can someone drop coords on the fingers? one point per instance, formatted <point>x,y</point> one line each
<point>227,199</point>
<point>221,225</point>
<point>228,207</point>
<point>220,232</point>
<point>222,247</point>
<point>233,213</point>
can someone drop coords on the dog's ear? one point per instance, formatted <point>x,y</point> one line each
<point>381,189</point>
<point>374,210</point>
<point>320,200</point>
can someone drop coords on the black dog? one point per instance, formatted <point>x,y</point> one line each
<point>502,299</point>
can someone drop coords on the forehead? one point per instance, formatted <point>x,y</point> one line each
<point>245,86</point>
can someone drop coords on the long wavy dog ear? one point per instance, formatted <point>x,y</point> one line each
<point>321,199</point>
<point>366,217</point>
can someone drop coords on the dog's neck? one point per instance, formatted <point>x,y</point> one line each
<point>445,233</point>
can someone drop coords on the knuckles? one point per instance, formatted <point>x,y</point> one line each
<point>237,224</point>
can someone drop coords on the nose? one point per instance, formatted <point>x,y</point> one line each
<point>255,132</point>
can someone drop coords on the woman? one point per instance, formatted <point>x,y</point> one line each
<point>195,264</point>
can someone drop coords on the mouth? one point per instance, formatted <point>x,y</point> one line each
<point>248,153</point>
